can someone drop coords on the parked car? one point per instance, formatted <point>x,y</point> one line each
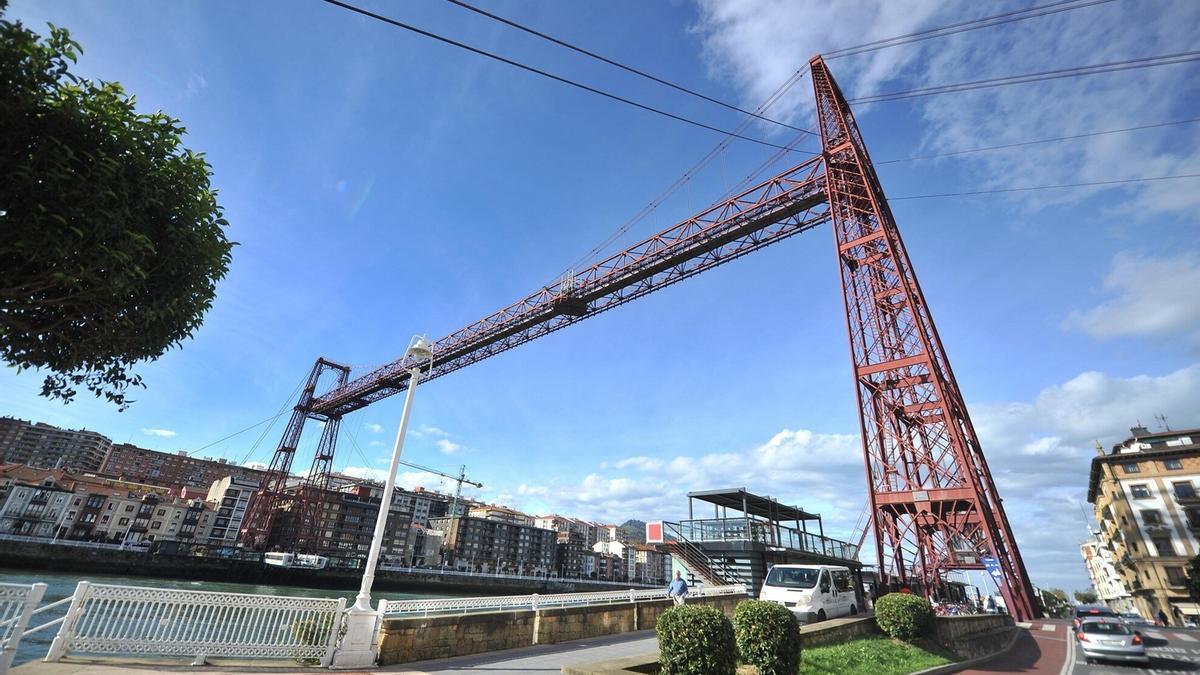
<point>1109,639</point>
<point>1091,611</point>
<point>812,592</point>
<point>1135,620</point>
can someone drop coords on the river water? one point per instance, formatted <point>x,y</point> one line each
<point>61,585</point>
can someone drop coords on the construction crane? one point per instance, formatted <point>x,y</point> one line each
<point>459,480</point>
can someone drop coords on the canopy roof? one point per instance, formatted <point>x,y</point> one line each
<point>754,505</point>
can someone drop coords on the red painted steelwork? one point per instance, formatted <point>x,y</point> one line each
<point>934,505</point>
<point>933,502</point>
<point>260,513</point>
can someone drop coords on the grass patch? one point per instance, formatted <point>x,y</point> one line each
<point>870,656</point>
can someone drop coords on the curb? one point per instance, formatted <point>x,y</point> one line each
<point>978,660</point>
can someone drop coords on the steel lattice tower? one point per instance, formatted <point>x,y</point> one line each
<point>308,500</point>
<point>934,505</point>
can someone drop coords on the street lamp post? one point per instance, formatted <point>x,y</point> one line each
<point>362,621</point>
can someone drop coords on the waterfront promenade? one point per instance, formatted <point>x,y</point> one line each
<point>535,659</point>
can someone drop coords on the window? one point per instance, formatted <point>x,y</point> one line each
<point>1175,576</point>
<point>1152,517</point>
<point>123,521</point>
<point>1139,491</point>
<point>1184,490</point>
<point>1172,464</point>
<point>129,508</point>
<point>1163,545</point>
<point>1131,467</point>
<point>1193,518</point>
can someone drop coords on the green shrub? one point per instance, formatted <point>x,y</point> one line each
<point>696,640</point>
<point>768,636</point>
<point>903,616</point>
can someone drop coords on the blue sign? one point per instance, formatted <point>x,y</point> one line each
<point>993,567</point>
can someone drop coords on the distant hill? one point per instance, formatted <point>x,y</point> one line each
<point>633,531</point>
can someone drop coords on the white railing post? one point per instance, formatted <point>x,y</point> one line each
<point>62,641</point>
<point>533,601</point>
<point>335,628</point>
<point>32,598</point>
<point>631,596</point>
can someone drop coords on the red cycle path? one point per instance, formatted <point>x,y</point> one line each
<point>1036,651</point>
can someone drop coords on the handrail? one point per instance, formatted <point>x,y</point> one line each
<point>112,619</point>
<point>17,604</point>
<point>515,603</point>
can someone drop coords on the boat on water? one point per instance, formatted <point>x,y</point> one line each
<point>296,560</point>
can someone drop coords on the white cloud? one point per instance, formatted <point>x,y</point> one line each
<point>375,444</point>
<point>162,433</point>
<point>374,428</point>
<point>426,430</point>
<point>1039,452</point>
<point>448,447</point>
<point>758,45</point>
<point>647,463</point>
<point>1156,297</point>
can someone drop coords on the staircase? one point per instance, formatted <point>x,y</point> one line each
<point>715,571</point>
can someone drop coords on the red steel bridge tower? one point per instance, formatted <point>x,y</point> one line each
<point>934,505</point>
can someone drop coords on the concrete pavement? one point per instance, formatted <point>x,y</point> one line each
<point>536,659</point>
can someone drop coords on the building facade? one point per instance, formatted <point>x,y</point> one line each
<point>492,545</point>
<point>45,446</point>
<point>1106,581</point>
<point>228,498</point>
<point>1146,495</point>
<point>171,469</point>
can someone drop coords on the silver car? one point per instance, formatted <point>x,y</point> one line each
<point>1109,639</point>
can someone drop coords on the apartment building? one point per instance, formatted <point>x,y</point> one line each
<point>45,446</point>
<point>651,565</point>
<point>131,462</point>
<point>1106,581</point>
<point>496,545</point>
<point>229,497</point>
<point>1144,491</point>
<point>34,504</point>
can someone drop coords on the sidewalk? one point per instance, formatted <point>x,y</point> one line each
<point>535,659</point>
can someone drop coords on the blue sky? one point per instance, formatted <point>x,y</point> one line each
<point>382,185</point>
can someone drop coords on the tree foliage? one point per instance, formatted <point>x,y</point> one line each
<point>1087,597</point>
<point>111,238</point>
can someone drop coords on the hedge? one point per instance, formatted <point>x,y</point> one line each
<point>696,640</point>
<point>768,636</point>
<point>903,616</point>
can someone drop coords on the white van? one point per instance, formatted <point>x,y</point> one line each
<point>812,592</point>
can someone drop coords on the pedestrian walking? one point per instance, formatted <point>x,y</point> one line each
<point>1162,618</point>
<point>678,589</point>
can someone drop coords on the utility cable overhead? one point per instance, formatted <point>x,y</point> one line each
<point>965,26</point>
<point>1075,71</point>
<point>622,66</point>
<point>546,74</point>
<point>1048,187</point>
<point>1019,144</point>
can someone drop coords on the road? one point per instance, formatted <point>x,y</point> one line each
<point>1172,650</point>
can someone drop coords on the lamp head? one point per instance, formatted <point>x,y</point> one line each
<point>419,348</point>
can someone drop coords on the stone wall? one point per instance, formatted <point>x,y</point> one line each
<point>834,631</point>
<point>415,639</point>
<point>973,636</point>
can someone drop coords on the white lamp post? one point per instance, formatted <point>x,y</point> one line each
<point>362,621</point>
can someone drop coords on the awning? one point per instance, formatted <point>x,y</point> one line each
<point>1190,608</point>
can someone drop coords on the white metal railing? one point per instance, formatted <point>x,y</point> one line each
<point>17,603</point>
<point>106,619</point>
<point>73,542</point>
<point>384,567</point>
<point>513,603</point>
